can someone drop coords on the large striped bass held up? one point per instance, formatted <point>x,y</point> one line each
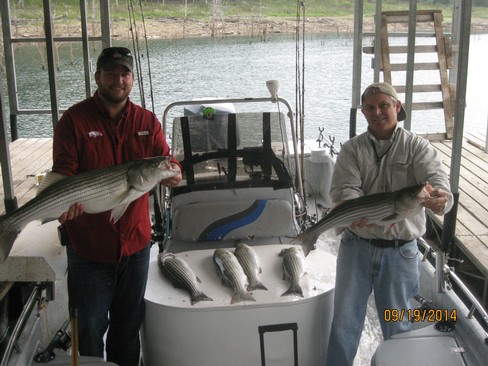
<point>230,271</point>
<point>182,276</point>
<point>383,209</point>
<point>107,189</point>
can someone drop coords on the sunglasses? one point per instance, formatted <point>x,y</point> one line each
<point>112,52</point>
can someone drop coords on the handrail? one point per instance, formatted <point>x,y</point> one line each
<point>442,269</point>
<point>26,312</point>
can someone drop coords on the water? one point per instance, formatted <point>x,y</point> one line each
<point>236,67</point>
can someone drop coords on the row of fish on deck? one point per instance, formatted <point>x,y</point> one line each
<point>238,270</point>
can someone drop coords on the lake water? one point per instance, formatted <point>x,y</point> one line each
<point>237,67</point>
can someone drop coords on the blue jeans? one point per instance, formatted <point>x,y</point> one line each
<point>391,273</point>
<point>109,296</point>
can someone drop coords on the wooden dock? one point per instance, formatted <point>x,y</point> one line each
<point>31,157</point>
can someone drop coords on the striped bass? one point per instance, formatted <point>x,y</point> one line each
<point>181,275</point>
<point>108,189</point>
<point>232,274</point>
<point>383,209</point>
<point>249,261</point>
<point>293,269</point>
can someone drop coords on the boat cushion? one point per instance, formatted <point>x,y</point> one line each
<point>443,350</point>
<point>239,219</point>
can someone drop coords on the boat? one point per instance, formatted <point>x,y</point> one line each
<point>242,184</point>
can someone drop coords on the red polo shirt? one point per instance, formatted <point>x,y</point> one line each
<point>86,138</point>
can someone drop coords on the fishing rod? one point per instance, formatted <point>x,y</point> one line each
<point>158,192</point>
<point>300,84</point>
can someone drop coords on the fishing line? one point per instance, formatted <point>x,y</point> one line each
<point>135,46</point>
<point>147,58</point>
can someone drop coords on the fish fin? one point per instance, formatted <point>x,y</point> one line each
<point>199,296</point>
<point>256,286</point>
<point>117,212</point>
<point>46,220</point>
<point>339,230</point>
<point>198,280</point>
<point>49,179</point>
<point>242,296</point>
<point>7,238</point>
<point>391,217</point>
<point>294,290</point>
<point>307,241</point>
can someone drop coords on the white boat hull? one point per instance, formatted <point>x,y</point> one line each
<point>214,332</point>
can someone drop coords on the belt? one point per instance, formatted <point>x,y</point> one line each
<point>383,243</point>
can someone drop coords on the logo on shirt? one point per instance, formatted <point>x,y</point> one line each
<point>94,134</point>
<point>142,133</point>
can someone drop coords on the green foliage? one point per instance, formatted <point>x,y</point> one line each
<point>198,9</point>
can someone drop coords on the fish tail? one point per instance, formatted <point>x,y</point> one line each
<point>256,286</point>
<point>242,296</point>
<point>294,289</point>
<point>307,241</point>
<point>8,234</point>
<point>200,296</point>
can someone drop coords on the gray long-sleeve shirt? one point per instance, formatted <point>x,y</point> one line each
<point>366,165</point>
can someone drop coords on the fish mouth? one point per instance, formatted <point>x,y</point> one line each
<point>165,164</point>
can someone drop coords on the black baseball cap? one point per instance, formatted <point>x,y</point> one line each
<point>113,56</point>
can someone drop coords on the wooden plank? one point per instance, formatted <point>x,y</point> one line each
<point>385,55</point>
<point>443,66</point>
<point>424,88</point>
<point>420,49</point>
<point>422,106</point>
<point>475,248</point>
<point>418,66</point>
<point>471,211</point>
<point>404,17</point>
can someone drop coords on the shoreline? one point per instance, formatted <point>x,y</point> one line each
<point>263,28</point>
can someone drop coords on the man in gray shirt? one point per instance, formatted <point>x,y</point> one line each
<point>373,258</point>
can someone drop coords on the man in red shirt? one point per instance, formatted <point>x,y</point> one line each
<point>108,263</point>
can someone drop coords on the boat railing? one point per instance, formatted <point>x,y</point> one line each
<point>19,326</point>
<point>443,271</point>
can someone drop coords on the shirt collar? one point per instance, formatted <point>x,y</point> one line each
<point>392,137</point>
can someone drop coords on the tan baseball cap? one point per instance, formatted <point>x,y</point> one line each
<point>387,89</point>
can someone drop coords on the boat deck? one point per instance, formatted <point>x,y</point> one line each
<point>31,157</point>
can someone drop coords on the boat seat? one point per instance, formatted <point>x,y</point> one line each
<point>424,350</point>
<point>233,215</point>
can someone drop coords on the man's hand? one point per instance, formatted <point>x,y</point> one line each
<point>73,212</point>
<point>437,200</point>
<point>173,181</point>
<point>361,223</point>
